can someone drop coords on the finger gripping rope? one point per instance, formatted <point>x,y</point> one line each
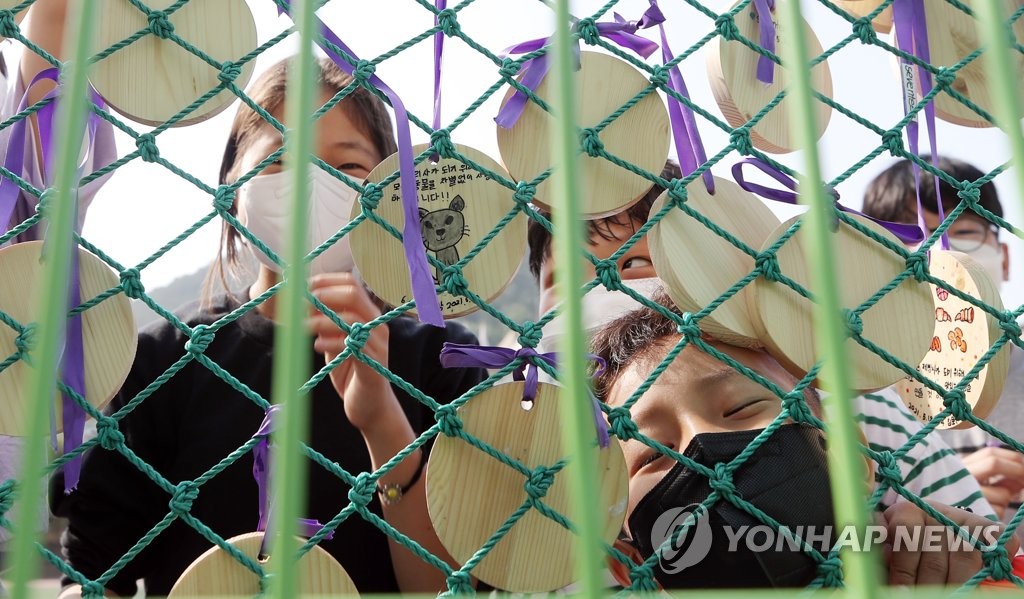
<point>146,144</point>
<point>109,434</point>
<point>448,22</point>
<point>159,24</point>
<point>185,493</point>
<point>131,283</point>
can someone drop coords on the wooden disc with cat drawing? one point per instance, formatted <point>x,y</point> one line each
<point>698,265</point>
<point>217,573</point>
<point>963,333</point>
<point>882,23</point>
<point>458,207</point>
<point>108,331</point>
<point>152,79</point>
<point>898,323</point>
<point>640,136</point>
<point>732,73</point>
<point>952,37</point>
<point>470,494</point>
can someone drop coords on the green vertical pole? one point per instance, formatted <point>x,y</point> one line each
<point>578,433</point>
<point>52,294</point>
<point>846,468</point>
<point>1003,80</point>
<point>292,344</point>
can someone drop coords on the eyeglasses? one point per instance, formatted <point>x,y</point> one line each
<point>968,239</point>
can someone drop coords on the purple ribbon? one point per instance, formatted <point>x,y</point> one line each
<point>685,135</point>
<point>463,355</point>
<point>261,472</point>
<point>423,291</point>
<point>766,30</point>
<point>620,31</point>
<point>906,233</point>
<point>912,37</point>
<point>438,51</point>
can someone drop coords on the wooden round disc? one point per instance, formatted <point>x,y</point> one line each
<point>952,36</point>
<point>682,250</point>
<point>217,574</point>
<point>152,79</point>
<point>962,335</point>
<point>732,73</point>
<point>862,8</point>
<point>639,136</point>
<point>459,206</point>
<point>899,323</point>
<point>108,331</point>
<point>470,494</point>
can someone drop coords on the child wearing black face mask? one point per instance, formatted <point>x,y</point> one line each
<point>710,413</point>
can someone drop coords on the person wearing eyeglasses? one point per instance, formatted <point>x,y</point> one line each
<point>892,196</point>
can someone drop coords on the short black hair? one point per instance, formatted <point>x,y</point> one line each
<point>892,194</point>
<point>539,238</point>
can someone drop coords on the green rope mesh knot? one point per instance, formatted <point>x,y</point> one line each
<point>854,324</point>
<point>185,493</point>
<point>944,78</point>
<point>642,579</point>
<point>892,140</point>
<point>199,340</point>
<point>721,482</point>
<point>831,572</point>
<point>8,491</point>
<point>146,144</point>
<point>621,424</point>
<point>460,583</point>
<point>159,24</point>
<point>591,143</point>
<point>509,68</point>
<point>677,192</point>
<point>229,71</point>
<point>887,471</point>
<point>957,404</point>
<point>93,590</point>
<point>358,335</point>
<point>109,434</point>
<point>363,71</point>
<point>917,264</point>
<point>865,31</point>
<point>997,562</point>
<point>372,193</point>
<point>223,199</point>
<point>448,420</point>
<point>25,340</point>
<point>739,138</point>
<point>795,403</point>
<point>531,334</point>
<point>8,28</point>
<point>726,27</point>
<point>970,194</point>
<point>131,283</point>
<point>587,30</point>
<point>1009,325</point>
<point>361,493</point>
<point>689,328</point>
<point>448,22</point>
<point>524,193</point>
<point>441,141</point>
<point>45,199</point>
<point>607,271</point>
<point>768,264</point>
<point>454,282</point>
<point>659,76</point>
<point>538,483</point>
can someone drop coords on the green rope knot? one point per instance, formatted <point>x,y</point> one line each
<point>229,71</point>
<point>865,31</point>
<point>509,68</point>
<point>917,264</point>
<point>831,572</point>
<point>93,590</point>
<point>588,32</point>
<point>590,142</point>
<point>146,144</point>
<point>448,22</point>
<point>524,193</point>
<point>8,492</point>
<point>621,424</point>
<point>358,335</point>
<point>223,199</point>
<point>363,71</point>
<point>689,328</point>
<point>997,562</point>
<point>372,193</point>
<point>677,192</point>
<point>531,334</point>
<point>538,483</point>
<point>957,404</point>
<point>607,271</point>
<point>892,140</point>
<point>642,579</point>
<point>441,141</point>
<point>659,76</point>
<point>795,403</point>
<point>131,283</point>
<point>185,493</point>
<point>159,24</point>
<point>361,493</point>
<point>460,583</point>
<point>854,324</point>
<point>888,471</point>
<point>109,434</point>
<point>726,27</point>
<point>970,194</point>
<point>739,138</point>
<point>944,78</point>
<point>448,420</point>
<point>199,340</point>
<point>768,264</point>
<point>45,199</point>
<point>25,340</point>
<point>1009,325</point>
<point>721,482</point>
<point>454,282</point>
<point>8,28</point>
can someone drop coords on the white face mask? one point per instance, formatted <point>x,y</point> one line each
<point>263,208</point>
<point>988,256</point>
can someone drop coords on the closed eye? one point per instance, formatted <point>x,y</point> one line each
<point>743,409</point>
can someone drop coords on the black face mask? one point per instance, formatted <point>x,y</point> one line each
<point>786,478</point>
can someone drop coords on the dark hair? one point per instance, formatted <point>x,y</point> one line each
<point>892,194</point>
<point>365,110</point>
<point>539,238</point>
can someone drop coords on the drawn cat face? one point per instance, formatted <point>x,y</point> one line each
<point>443,228</point>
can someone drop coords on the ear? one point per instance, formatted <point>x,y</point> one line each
<point>619,570</point>
<point>423,213</point>
<point>457,203</point>
<point>1006,261</point>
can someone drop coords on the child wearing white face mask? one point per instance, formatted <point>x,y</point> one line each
<point>195,419</point>
<point>892,195</point>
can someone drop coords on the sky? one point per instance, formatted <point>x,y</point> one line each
<point>144,206</point>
